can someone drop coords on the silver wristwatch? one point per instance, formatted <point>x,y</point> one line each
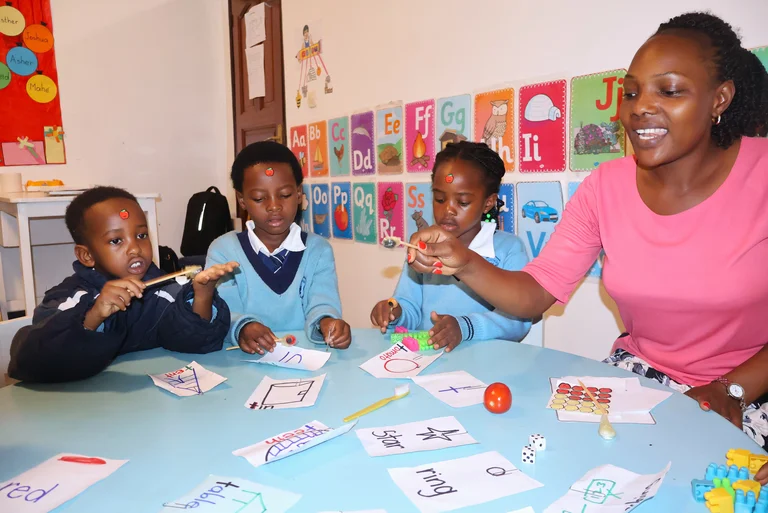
<point>734,391</point>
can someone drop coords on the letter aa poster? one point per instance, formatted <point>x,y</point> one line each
<point>31,128</point>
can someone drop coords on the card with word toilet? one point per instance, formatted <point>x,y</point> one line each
<point>389,139</point>
<point>419,136</point>
<point>398,362</point>
<point>291,442</point>
<point>495,123</point>
<point>278,394</point>
<point>219,494</point>
<point>424,435</point>
<point>54,482</point>
<point>294,358</point>
<point>454,484</point>
<point>457,388</point>
<point>192,379</point>
<point>542,141</point>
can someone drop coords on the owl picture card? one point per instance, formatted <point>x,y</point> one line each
<point>495,123</point>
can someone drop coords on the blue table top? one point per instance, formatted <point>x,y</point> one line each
<point>173,442</point>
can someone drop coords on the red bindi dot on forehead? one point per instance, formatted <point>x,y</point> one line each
<point>124,214</point>
<point>269,171</point>
<point>449,178</point>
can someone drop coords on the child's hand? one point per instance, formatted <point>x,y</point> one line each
<point>115,295</point>
<point>256,338</point>
<point>336,333</point>
<point>762,475</point>
<point>205,280</point>
<point>382,314</point>
<point>445,332</point>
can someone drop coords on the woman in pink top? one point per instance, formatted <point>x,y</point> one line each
<point>683,226</point>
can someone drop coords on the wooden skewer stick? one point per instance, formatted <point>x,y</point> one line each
<point>188,271</point>
<point>391,242</point>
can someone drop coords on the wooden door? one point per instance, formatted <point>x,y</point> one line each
<point>261,118</point>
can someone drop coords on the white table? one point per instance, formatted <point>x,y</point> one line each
<point>25,206</point>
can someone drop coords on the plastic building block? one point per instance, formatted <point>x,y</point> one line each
<point>756,461</point>
<point>699,487</point>
<point>725,484</point>
<point>738,457</point>
<point>715,471</point>
<point>748,485</point>
<point>737,474</point>
<point>719,501</point>
<point>762,502</point>
<point>421,337</point>
<point>744,503</point>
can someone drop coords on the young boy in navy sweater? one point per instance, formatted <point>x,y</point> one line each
<point>465,186</point>
<point>288,277</point>
<point>105,309</point>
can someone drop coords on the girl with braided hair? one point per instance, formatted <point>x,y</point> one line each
<point>682,223</point>
<point>465,197</point>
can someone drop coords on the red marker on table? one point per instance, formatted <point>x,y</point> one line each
<point>83,459</point>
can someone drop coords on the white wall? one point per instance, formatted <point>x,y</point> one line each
<point>146,105</point>
<point>412,50</point>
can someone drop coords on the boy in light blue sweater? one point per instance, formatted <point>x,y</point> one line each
<point>287,278</point>
<point>465,185</point>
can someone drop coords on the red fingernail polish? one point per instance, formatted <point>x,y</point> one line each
<point>410,258</point>
<point>438,264</point>
<point>437,271</point>
<point>422,245</point>
<point>705,405</point>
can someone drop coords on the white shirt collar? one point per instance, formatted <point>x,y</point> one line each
<point>482,244</point>
<point>292,242</point>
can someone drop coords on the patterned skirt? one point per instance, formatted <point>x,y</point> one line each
<point>755,422</point>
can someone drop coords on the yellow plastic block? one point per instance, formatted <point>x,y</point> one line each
<point>718,501</point>
<point>748,485</point>
<point>738,457</point>
<point>756,461</point>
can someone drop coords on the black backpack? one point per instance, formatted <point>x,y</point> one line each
<point>207,218</point>
<point>169,262</point>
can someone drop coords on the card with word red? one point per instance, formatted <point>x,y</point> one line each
<point>597,135</point>
<point>762,54</point>
<point>362,143</point>
<point>507,211</point>
<point>318,149</point>
<point>306,209</point>
<point>418,207</point>
<point>341,201</point>
<point>338,153</point>
<point>495,123</point>
<point>389,139</point>
<point>596,271</point>
<point>321,207</point>
<point>391,212</point>
<point>453,120</point>
<point>297,142</point>
<point>541,141</point>
<point>540,206</point>
<point>419,136</point>
<point>364,212</point>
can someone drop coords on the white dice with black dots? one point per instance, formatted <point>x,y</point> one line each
<point>529,454</point>
<point>538,442</point>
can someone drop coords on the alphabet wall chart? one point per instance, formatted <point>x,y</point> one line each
<point>549,134</point>
<point>31,130</point>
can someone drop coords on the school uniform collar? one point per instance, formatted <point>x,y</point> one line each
<point>482,244</point>
<point>292,242</point>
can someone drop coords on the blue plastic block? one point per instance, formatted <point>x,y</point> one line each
<point>744,503</point>
<point>699,487</point>
<point>762,503</point>
<point>733,474</point>
<point>711,472</point>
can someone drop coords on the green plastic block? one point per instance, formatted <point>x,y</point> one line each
<point>421,337</point>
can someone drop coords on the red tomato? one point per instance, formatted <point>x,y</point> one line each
<point>498,398</point>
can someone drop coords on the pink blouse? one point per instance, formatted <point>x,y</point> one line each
<point>692,288</point>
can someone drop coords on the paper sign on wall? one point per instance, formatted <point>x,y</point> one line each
<point>298,143</point>
<point>507,211</point>
<point>306,208</point>
<point>391,217</point>
<point>542,127</point>
<point>454,120</point>
<point>540,206</point>
<point>339,151</point>
<point>762,54</point>
<point>495,123</point>
<point>54,482</point>
<point>219,494</point>
<point>596,271</point>
<point>363,147</point>
<point>419,136</point>
<point>389,139</point>
<point>364,212</point>
<point>597,135</point>
<point>321,207</point>
<point>341,195</point>
<point>318,149</point>
<point>418,204</point>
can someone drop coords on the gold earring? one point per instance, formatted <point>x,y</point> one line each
<point>716,121</point>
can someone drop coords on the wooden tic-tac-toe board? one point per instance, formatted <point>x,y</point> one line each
<point>573,398</point>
